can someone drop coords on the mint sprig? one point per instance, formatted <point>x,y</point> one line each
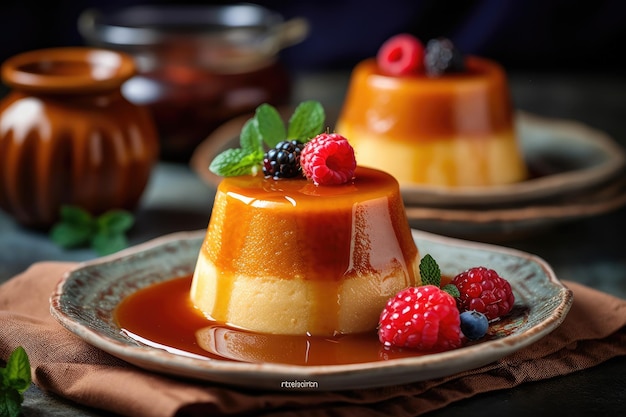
<point>431,275</point>
<point>105,234</point>
<point>14,380</point>
<point>265,130</point>
<point>307,121</point>
<point>270,125</point>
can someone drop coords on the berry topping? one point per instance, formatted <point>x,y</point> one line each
<point>283,161</point>
<point>423,318</point>
<point>474,324</point>
<point>401,54</point>
<point>328,159</point>
<point>441,57</point>
<point>267,130</point>
<point>483,290</point>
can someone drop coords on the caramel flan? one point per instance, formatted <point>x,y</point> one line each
<point>291,257</point>
<point>452,129</point>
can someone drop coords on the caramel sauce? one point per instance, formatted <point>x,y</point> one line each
<point>163,315</point>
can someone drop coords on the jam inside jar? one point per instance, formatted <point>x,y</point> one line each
<point>198,65</point>
<point>188,103</point>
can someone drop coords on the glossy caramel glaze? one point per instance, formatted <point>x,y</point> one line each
<point>418,108</point>
<point>292,228</point>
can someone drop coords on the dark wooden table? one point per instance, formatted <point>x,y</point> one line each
<point>591,251</point>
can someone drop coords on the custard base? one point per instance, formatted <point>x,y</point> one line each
<point>295,306</point>
<point>458,161</point>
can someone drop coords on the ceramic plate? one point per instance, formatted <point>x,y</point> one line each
<point>498,224</point>
<point>85,300</point>
<point>566,157</point>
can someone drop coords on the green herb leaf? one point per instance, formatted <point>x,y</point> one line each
<point>74,228</point>
<point>105,233</point>
<point>107,243</point>
<point>15,378</point>
<point>307,121</point>
<point>76,216</point>
<point>250,139</point>
<point>68,235</point>
<point>115,222</point>
<point>267,128</point>
<point>235,161</point>
<point>452,290</point>
<point>270,125</point>
<point>17,371</point>
<point>429,271</point>
<point>10,403</point>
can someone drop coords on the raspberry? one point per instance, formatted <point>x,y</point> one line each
<point>483,290</point>
<point>283,161</point>
<point>328,159</point>
<point>423,318</point>
<point>474,324</point>
<point>400,55</point>
<point>441,57</point>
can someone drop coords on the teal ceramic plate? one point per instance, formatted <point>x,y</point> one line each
<point>85,300</point>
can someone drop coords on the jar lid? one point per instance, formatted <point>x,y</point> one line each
<point>219,37</point>
<point>68,70</point>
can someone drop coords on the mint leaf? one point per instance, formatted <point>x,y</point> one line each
<point>452,290</point>
<point>17,371</point>
<point>68,235</point>
<point>306,121</point>
<point>235,161</point>
<point>429,271</point>
<point>74,228</point>
<point>105,234</point>
<point>10,403</point>
<point>250,139</point>
<point>115,222</point>
<point>267,128</point>
<point>15,378</point>
<point>106,243</point>
<point>76,216</point>
<point>110,236</point>
<point>270,125</point>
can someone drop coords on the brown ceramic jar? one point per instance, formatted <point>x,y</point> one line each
<point>69,137</point>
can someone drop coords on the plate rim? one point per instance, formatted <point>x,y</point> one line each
<point>209,369</point>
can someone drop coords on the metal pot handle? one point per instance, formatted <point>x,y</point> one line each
<point>292,32</point>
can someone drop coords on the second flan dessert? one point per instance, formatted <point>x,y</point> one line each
<point>305,255</point>
<point>433,122</point>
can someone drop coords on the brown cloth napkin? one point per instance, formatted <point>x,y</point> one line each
<point>594,331</point>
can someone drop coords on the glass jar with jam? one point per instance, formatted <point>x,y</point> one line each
<point>199,66</point>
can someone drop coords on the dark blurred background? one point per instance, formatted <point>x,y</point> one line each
<point>550,35</point>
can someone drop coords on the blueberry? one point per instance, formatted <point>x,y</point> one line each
<point>474,324</point>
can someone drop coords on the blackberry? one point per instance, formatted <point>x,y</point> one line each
<point>283,161</point>
<point>441,57</point>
